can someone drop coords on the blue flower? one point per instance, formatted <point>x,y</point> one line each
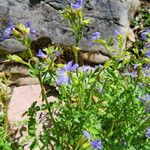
<point>87,134</point>
<point>147,44</point>
<point>135,66</point>
<point>147,54</point>
<point>116,33</point>
<point>28,25</point>
<point>41,54</point>
<point>64,73</point>
<point>148,132</point>
<point>145,99</point>
<point>85,68</point>
<point>96,144</point>
<point>145,34</point>
<point>133,74</point>
<point>146,71</point>
<point>77,5</point>
<point>94,36</point>
<point>8,31</point>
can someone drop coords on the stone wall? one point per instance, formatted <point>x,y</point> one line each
<point>107,16</point>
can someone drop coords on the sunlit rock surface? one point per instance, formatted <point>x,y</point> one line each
<point>107,16</point>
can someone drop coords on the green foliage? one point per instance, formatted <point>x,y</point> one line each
<point>142,18</point>
<point>78,24</point>
<point>105,101</point>
<point>5,144</point>
<point>108,101</point>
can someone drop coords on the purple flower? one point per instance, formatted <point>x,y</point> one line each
<point>96,144</point>
<point>77,5</point>
<point>145,34</point>
<point>116,33</point>
<point>28,25</point>
<point>64,73</point>
<point>146,71</point>
<point>41,54</point>
<point>85,68</point>
<point>133,74</point>
<point>148,132</point>
<point>147,44</point>
<point>94,36</point>
<point>87,134</point>
<point>145,99</point>
<point>8,31</point>
<point>135,66</point>
<point>147,54</point>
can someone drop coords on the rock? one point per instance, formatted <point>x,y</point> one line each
<point>26,81</point>
<point>14,69</point>
<point>94,57</point>
<point>10,46</point>
<point>107,16</point>
<point>21,100</point>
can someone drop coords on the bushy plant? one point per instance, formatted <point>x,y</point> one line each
<point>4,125</point>
<point>102,107</point>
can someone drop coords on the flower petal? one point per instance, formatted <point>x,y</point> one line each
<point>87,135</point>
<point>144,34</point>
<point>97,144</point>
<point>148,132</point>
<point>95,35</point>
<point>8,31</point>
<point>84,68</point>
<point>28,24</point>
<point>116,33</point>
<point>74,67</point>
<point>41,54</point>
<point>63,80</point>
<point>147,54</point>
<point>68,65</point>
<point>32,31</point>
<point>145,99</point>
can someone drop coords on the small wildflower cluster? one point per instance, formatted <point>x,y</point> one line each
<point>146,38</point>
<point>77,5</point>
<point>64,74</point>
<point>18,30</point>
<point>95,36</point>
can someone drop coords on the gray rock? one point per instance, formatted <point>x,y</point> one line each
<point>14,69</point>
<point>26,81</point>
<point>10,46</point>
<point>107,16</point>
<point>21,100</point>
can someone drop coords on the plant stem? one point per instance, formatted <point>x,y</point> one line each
<point>111,129</point>
<point>30,52</point>
<point>76,57</point>
<point>6,112</point>
<point>44,98</point>
<point>6,118</point>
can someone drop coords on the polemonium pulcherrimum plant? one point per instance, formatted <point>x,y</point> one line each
<point>77,22</point>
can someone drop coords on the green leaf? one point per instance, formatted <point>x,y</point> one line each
<point>17,59</point>
<point>33,145</point>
